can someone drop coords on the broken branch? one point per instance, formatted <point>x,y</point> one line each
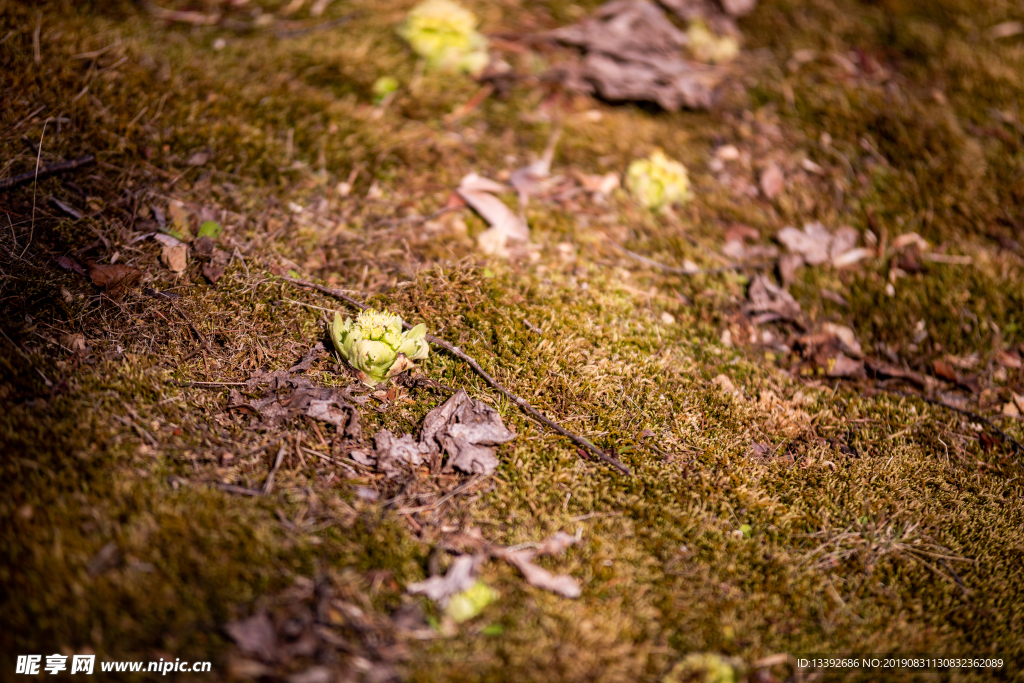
<point>46,171</point>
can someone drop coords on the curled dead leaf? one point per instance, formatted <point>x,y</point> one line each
<point>115,278</point>
<point>467,430</point>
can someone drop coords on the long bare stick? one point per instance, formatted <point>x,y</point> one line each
<point>46,171</point>
<point>684,271</point>
<point>523,404</point>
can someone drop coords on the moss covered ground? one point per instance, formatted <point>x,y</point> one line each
<point>876,523</point>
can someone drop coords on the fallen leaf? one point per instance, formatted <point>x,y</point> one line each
<point>811,243</point>
<point>882,369</point>
<point>944,370</point>
<point>68,263</point>
<point>536,575</point>
<point>527,179</point>
<point>204,246</point>
<point>826,351</point>
<point>1009,359</point>
<point>556,544</point>
<point>505,224</point>
<point>76,342</point>
<point>314,674</point>
<point>174,257</point>
<point>788,265</point>
<point>114,278</point>
<point>181,222</point>
<point>599,184</point>
<point>467,430</point>
<point>1010,409</point>
<point>198,159</point>
<point>909,238</point>
<point>632,52</point>
<point>844,239</point>
<point>397,455</point>
<point>845,335</point>
<point>1006,29</point>
<point>761,450</point>
<point>841,366</point>
<point>460,576</point>
<point>311,357</point>
<point>286,397</point>
<point>772,180</point>
<point>816,245</point>
<point>851,257</point>
<point>212,272</point>
<point>255,636</point>
<point>767,297</point>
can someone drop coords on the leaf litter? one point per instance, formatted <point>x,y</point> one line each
<point>631,51</point>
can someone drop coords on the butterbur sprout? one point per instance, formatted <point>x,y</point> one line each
<point>444,33</point>
<point>658,181</point>
<point>375,345</point>
<point>709,48</point>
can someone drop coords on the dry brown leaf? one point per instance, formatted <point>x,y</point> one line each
<point>772,181</point>
<point>535,575</point>
<point>944,370</point>
<point>1009,359</point>
<point>460,576</point>
<point>467,430</point>
<point>114,278</point>
<point>505,224</point>
<point>255,636</point>
<point>816,245</point>
<point>767,297</point>
<point>397,455</point>
<point>174,257</point>
<point>632,52</point>
<point>556,544</point>
<point>286,397</point>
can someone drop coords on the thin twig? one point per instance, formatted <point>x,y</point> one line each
<point>268,485</point>
<point>684,271</point>
<point>462,488</point>
<point>240,490</point>
<point>330,23</point>
<point>461,355</point>
<point>46,171</point>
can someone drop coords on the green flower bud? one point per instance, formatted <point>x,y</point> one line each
<point>705,667</point>
<point>709,48</point>
<point>470,602</point>
<point>658,181</point>
<point>444,33</point>
<point>384,86</point>
<point>375,345</point>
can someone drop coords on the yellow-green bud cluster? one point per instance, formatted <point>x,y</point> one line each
<point>375,345</point>
<point>658,181</point>
<point>444,33</point>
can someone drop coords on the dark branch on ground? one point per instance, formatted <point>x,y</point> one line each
<point>46,171</point>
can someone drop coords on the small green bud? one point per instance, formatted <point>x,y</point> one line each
<point>375,345</point>
<point>470,602</point>
<point>444,33</point>
<point>384,86</point>
<point>658,181</point>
